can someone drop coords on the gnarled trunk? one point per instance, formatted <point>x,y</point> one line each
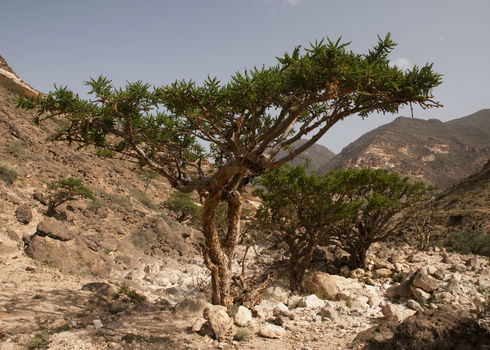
<point>218,252</point>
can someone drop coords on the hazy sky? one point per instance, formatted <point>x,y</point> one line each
<point>67,41</point>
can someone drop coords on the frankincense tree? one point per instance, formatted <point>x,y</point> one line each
<point>246,121</point>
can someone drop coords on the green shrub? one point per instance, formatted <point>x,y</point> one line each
<point>37,342</point>
<point>127,293</point>
<point>61,191</point>
<point>7,174</point>
<point>464,242</point>
<point>182,207</point>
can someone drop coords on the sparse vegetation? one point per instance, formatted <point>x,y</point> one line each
<point>464,242</point>
<point>128,294</point>
<point>61,191</point>
<point>117,199</point>
<point>182,207</point>
<point>7,174</point>
<point>143,239</point>
<point>38,341</point>
<point>242,334</point>
<point>144,199</point>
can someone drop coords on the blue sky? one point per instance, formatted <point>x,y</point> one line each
<point>67,41</point>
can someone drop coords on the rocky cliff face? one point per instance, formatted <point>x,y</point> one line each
<point>429,150</point>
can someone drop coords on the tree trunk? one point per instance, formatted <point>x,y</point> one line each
<point>358,257</point>
<point>218,253</point>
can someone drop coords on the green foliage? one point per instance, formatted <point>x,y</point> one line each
<point>38,341</point>
<point>7,174</point>
<point>465,242</point>
<point>143,239</point>
<point>128,294</point>
<point>183,207</point>
<point>299,210</point>
<point>61,191</point>
<point>386,202</point>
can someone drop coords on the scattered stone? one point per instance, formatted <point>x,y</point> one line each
<point>311,302</point>
<point>396,313</point>
<point>23,214</point>
<point>279,311</point>
<point>13,235</point>
<point>423,281</point>
<point>329,312</point>
<point>97,323</point>
<point>243,316</point>
<point>383,272</point>
<point>412,304</point>
<point>357,273</point>
<point>459,267</point>
<point>197,325</point>
<point>419,293</point>
<point>265,308</point>
<point>272,331</point>
<point>472,262</point>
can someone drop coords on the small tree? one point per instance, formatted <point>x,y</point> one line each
<point>386,202</point>
<point>246,121</point>
<point>183,207</point>
<point>300,210</point>
<point>61,191</point>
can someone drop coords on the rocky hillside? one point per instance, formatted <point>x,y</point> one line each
<point>430,150</point>
<point>315,156</point>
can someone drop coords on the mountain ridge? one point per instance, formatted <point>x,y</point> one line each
<point>440,153</point>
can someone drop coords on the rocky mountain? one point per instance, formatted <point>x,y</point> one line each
<point>315,156</point>
<point>429,150</point>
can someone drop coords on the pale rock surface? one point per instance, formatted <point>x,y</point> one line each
<point>243,316</point>
<point>272,331</point>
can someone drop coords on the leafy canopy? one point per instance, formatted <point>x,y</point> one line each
<point>246,120</point>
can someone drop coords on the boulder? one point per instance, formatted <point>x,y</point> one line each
<point>73,256</point>
<point>322,284</point>
<point>423,281</point>
<point>419,294</point>
<point>329,312</point>
<point>23,213</point>
<point>54,229</point>
<point>283,312</point>
<point>311,302</point>
<point>243,316</point>
<point>218,324</point>
<point>272,331</point>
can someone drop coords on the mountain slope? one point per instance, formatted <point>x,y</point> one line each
<point>315,156</point>
<point>430,150</point>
